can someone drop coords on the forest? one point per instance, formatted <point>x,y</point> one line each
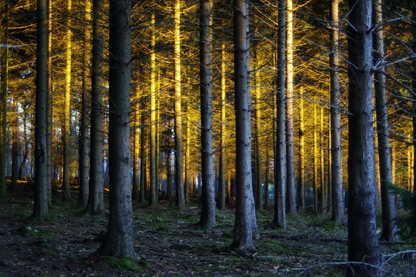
<point>208,138</point>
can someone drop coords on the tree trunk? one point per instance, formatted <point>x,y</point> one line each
<point>180,195</point>
<point>315,160</point>
<point>279,219</point>
<point>119,240</point>
<point>259,177</point>
<point>49,167</point>
<point>245,215</point>
<point>207,153</point>
<point>26,147</point>
<point>301,153</point>
<point>136,139</point>
<point>387,201</point>
<point>96,193</point>
<point>337,202</point>
<point>362,231</point>
<point>85,114</point>
<point>67,108</point>
<point>222,181</point>
<point>153,199</point>
<point>40,207</point>
<point>290,158</point>
<point>143,159</point>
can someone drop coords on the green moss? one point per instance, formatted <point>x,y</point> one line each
<point>123,264</point>
<point>28,231</point>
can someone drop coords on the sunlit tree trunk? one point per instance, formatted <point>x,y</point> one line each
<point>387,201</point>
<point>50,169</point>
<point>279,219</point>
<point>119,239</point>
<point>337,200</point>
<point>207,153</point>
<point>136,152</point>
<point>4,88</point>
<point>362,231</point>
<point>96,193</point>
<point>301,152</point>
<point>67,106</point>
<point>40,207</point>
<point>85,113</point>
<point>222,168</point>
<point>153,199</point>
<point>259,177</point>
<point>188,150</point>
<point>290,156</point>
<point>322,162</point>
<point>329,157</point>
<point>315,159</point>
<point>143,159</point>
<point>414,93</point>
<point>180,195</point>
<point>245,215</point>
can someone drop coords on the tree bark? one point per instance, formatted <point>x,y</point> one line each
<point>96,194</point>
<point>301,153</point>
<point>279,219</point>
<point>180,194</point>
<point>337,202</point>
<point>119,240</point>
<point>222,182</point>
<point>67,108</point>
<point>387,201</point>
<point>153,199</point>
<point>245,215</point>
<point>4,88</point>
<point>207,153</point>
<point>15,153</point>
<point>290,156</point>
<point>362,231</point>
<point>40,207</point>
<point>85,115</point>
<point>259,177</point>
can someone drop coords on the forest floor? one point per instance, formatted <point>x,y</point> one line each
<point>169,244</point>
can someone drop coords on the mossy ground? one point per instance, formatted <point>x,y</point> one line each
<point>170,244</point>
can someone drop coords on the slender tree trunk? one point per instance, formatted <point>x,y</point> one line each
<point>136,139</point>
<point>180,195</point>
<point>279,219</point>
<point>222,181</point>
<point>245,215</point>
<point>387,201</point>
<point>169,196</point>
<point>290,156</point>
<point>67,107</point>
<point>119,240</point>
<point>143,160</point>
<point>153,199</point>
<point>315,160</point>
<point>40,207</point>
<point>259,177</point>
<point>207,153</point>
<point>337,201</point>
<point>362,231</point>
<point>96,193</point>
<point>301,153</point>
<point>414,93</point>
<point>322,163</point>
<point>85,114</point>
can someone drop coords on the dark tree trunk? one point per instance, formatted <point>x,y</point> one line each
<point>4,88</point>
<point>207,153</point>
<point>245,215</point>
<point>119,240</point>
<point>40,207</point>
<point>280,159</point>
<point>96,194</point>
<point>362,231</point>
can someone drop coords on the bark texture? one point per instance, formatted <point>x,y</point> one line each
<point>207,153</point>
<point>245,217</point>
<point>40,207</point>
<point>119,240</point>
<point>362,232</point>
